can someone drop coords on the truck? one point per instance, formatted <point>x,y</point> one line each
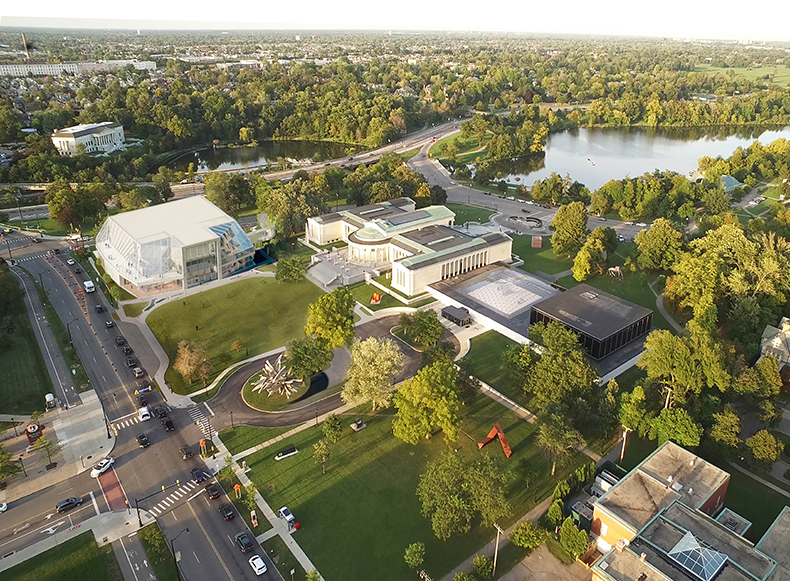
<point>89,286</point>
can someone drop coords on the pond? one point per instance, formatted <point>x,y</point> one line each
<point>265,153</point>
<point>595,156</point>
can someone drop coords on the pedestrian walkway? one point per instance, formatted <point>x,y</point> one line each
<point>32,257</point>
<point>182,492</point>
<point>200,419</point>
<point>83,437</point>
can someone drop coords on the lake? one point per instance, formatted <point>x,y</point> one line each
<point>595,156</point>
<point>265,153</point>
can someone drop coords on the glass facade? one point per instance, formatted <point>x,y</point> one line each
<point>236,250</point>
<point>200,262</point>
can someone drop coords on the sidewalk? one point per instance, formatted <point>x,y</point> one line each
<point>82,433</point>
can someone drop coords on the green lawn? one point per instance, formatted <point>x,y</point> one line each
<point>484,360</point>
<point>261,313</point>
<point>25,378</point>
<point>77,558</point>
<point>134,309</point>
<point>243,437</point>
<point>358,518</point>
<point>284,560</point>
<point>542,259</point>
<point>363,291</point>
<point>465,213</point>
<point>407,155</point>
<point>158,552</point>
<point>779,75</point>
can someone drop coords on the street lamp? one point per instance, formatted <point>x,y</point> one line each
<point>68,329</point>
<point>23,466</point>
<point>232,427</point>
<point>172,550</point>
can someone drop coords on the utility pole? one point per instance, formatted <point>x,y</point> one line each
<point>625,437</point>
<point>172,550</point>
<point>496,547</point>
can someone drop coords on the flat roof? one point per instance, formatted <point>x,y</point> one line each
<point>187,220</point>
<point>436,238</point>
<point>451,251</point>
<point>776,544</point>
<point>591,311</point>
<point>85,129</point>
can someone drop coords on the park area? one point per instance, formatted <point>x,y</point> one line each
<point>465,213</point>
<point>357,519</point>
<point>260,313</point>
<point>77,558</point>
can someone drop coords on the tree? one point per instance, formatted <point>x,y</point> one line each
<point>660,247</point>
<point>374,364</point>
<point>633,413</point>
<point>414,555</point>
<point>453,490</point>
<point>518,361</point>
<point>423,327</point>
<point>589,260</point>
<point>290,205</point>
<point>572,539</point>
<point>461,576</point>
<point>677,425</point>
<point>765,448</point>
<point>305,357</point>
<point>527,535</point>
<point>726,428</point>
<point>331,318</point>
<point>561,490</point>
<point>8,464</point>
<point>248,497</point>
<point>438,195</point>
<point>332,428</point>
<point>557,438</point>
<point>191,361</point>
<point>426,403</point>
<point>135,198</point>
<point>321,454</point>
<point>482,568</point>
<point>570,229</point>
<point>49,446</point>
<point>64,204</point>
<point>290,269</point>
<point>556,513</point>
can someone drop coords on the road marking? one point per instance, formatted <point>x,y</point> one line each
<point>155,511</point>
<point>205,403</point>
<point>196,557</point>
<point>174,515</point>
<point>194,496</point>
<point>210,542</point>
<point>164,501</point>
<point>96,504</point>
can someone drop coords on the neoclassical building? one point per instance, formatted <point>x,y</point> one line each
<point>106,136</point>
<point>419,247</point>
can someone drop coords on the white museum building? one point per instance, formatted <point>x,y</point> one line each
<point>104,137</point>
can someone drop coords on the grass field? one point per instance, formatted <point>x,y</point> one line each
<point>542,259</point>
<point>407,155</point>
<point>134,309</point>
<point>25,377</point>
<point>283,559</point>
<point>77,558</point>
<point>363,291</point>
<point>779,75</point>
<point>484,360</point>
<point>158,552</point>
<point>465,213</point>
<point>261,313</point>
<point>358,518</point>
<point>243,437</point>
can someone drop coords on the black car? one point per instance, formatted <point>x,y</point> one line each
<point>78,270</point>
<point>119,340</point>
<point>160,411</point>
<point>68,504</point>
<point>213,491</point>
<point>143,383</point>
<point>168,424</point>
<point>109,324</point>
<point>198,475</point>
<point>227,511</point>
<point>130,362</point>
<point>186,452</point>
<point>99,309</point>
<point>244,542</point>
<point>142,441</point>
<point>142,400</point>
<point>127,350</point>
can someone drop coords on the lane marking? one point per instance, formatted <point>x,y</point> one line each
<point>95,504</point>
<point>125,552</point>
<point>196,557</point>
<point>194,496</point>
<point>210,542</point>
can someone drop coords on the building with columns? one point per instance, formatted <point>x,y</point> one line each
<point>105,137</point>
<point>419,247</point>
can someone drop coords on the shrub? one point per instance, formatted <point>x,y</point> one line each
<point>527,535</point>
<point>562,490</point>
<point>556,513</point>
<point>572,539</point>
<point>482,568</point>
<point>414,555</point>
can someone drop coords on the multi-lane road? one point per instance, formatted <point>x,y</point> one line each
<point>207,551</point>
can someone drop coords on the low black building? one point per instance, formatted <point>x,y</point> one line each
<point>603,322</point>
<point>460,317</point>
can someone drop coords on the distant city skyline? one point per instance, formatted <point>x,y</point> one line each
<point>668,19</point>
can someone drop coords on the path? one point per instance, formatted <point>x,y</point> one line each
<point>664,312</point>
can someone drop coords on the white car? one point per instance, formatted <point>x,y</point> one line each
<point>3,506</point>
<point>144,414</point>
<point>629,223</point>
<point>641,224</point>
<point>70,262</point>
<point>257,564</point>
<point>102,467</point>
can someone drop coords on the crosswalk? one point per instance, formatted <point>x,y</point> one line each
<point>199,418</point>
<point>33,257</point>
<point>125,423</point>
<point>181,493</point>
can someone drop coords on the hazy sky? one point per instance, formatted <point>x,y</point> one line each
<point>726,19</point>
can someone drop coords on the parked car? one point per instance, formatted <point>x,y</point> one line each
<point>168,424</point>
<point>102,467</point>
<point>213,491</point>
<point>199,475</point>
<point>119,340</point>
<point>142,441</point>
<point>186,452</point>
<point>244,542</point>
<point>257,564</point>
<point>130,362</point>
<point>160,411</point>
<point>109,324</point>
<point>68,504</point>
<point>227,512</point>
<point>138,372</point>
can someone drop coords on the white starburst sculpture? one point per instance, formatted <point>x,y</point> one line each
<point>275,379</point>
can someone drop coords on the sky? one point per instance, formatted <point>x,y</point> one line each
<point>710,19</point>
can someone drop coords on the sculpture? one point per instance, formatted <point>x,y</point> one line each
<point>616,272</point>
<point>275,379</point>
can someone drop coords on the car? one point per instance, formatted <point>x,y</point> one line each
<point>70,262</point>
<point>286,514</point>
<point>227,512</point>
<point>138,372</point>
<point>127,350</point>
<point>68,504</point>
<point>142,400</point>
<point>99,309</point>
<point>213,491</point>
<point>327,164</point>
<point>144,413</point>
<point>142,440</point>
<point>641,224</point>
<point>184,181</point>
<point>130,362</point>
<point>143,384</point>
<point>78,270</point>
<point>3,506</point>
<point>36,240</point>
<point>620,238</point>
<point>56,251</point>
<point>257,564</point>
<point>102,467</point>
<point>119,340</point>
<point>109,324</point>
<point>629,223</point>
<point>199,475</point>
<point>342,165</point>
<point>168,424</point>
<point>160,411</point>
<point>186,452</point>
<point>601,219</point>
<point>244,542</point>
<point>525,210</point>
<point>351,158</point>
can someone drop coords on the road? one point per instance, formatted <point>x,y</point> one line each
<point>140,472</point>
